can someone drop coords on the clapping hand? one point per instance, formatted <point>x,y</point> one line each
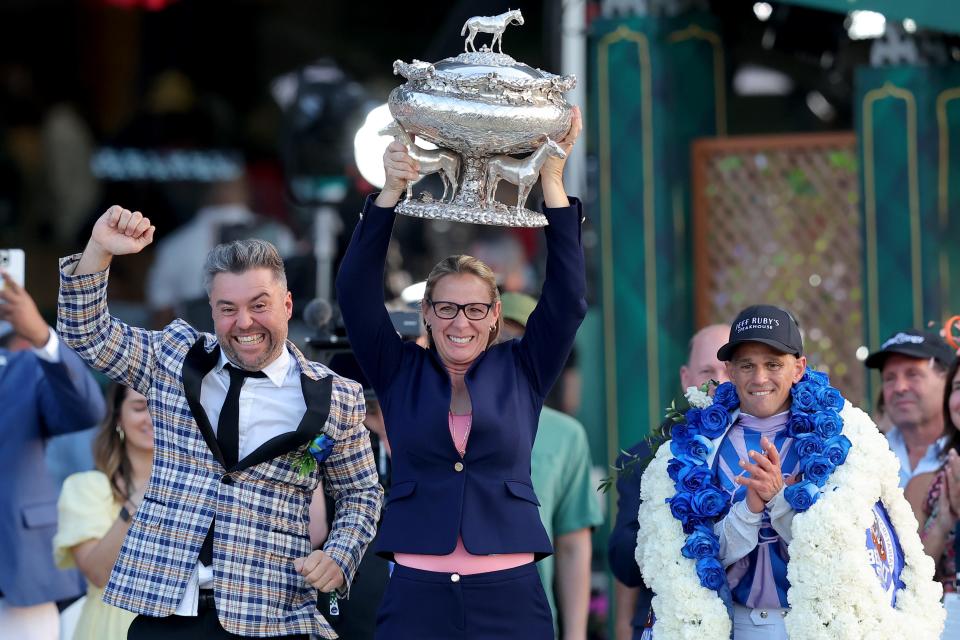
<point>949,498</point>
<point>766,477</point>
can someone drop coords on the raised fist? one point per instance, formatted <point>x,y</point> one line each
<point>120,231</point>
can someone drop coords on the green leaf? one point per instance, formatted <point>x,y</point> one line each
<point>306,465</point>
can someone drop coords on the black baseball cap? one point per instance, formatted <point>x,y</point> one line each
<point>915,344</point>
<point>766,324</point>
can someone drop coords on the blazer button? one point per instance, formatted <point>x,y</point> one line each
<point>458,467</point>
<point>226,480</point>
<point>455,577</point>
<point>764,614</point>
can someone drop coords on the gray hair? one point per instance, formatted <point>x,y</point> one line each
<point>240,256</point>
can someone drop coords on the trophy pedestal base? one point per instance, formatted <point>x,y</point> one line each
<point>496,214</point>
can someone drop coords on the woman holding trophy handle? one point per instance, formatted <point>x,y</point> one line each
<point>461,521</point>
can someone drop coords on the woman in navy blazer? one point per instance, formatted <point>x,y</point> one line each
<point>463,499</point>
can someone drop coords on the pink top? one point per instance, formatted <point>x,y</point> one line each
<point>462,561</point>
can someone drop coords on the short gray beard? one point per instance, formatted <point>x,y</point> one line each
<point>267,358</point>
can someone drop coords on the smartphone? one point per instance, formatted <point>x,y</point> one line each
<point>12,261</point>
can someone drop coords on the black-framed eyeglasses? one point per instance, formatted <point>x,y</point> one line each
<point>449,310</point>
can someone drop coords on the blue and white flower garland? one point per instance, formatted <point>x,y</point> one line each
<point>699,500</point>
<point>828,537</point>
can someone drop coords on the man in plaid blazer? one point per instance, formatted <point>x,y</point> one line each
<point>242,499</point>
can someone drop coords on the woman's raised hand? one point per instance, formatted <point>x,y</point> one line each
<point>551,173</point>
<point>399,169</point>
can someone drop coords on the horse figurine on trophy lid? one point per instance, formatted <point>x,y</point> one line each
<point>490,24</point>
<point>481,107</point>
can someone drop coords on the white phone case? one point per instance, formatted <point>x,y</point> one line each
<point>12,261</point>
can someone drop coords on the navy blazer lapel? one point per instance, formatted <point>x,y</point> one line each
<point>198,363</point>
<point>316,395</point>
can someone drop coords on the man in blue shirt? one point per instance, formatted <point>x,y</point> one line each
<point>45,390</point>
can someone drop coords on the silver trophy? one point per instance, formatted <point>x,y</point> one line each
<point>480,109</point>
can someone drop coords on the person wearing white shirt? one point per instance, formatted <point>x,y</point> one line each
<point>246,428</point>
<point>269,407</point>
<point>913,366</point>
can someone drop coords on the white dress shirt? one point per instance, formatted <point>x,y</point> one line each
<point>269,407</point>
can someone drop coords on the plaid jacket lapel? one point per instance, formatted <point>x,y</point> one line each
<point>197,364</point>
<point>316,394</point>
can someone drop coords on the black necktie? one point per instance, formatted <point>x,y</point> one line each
<point>228,426</point>
<point>228,437</point>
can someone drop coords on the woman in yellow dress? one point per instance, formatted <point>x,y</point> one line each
<point>96,508</point>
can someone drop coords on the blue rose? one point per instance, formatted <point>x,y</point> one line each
<point>802,495</point>
<point>799,423</point>
<point>702,543</point>
<point>674,467</point>
<point>817,469</point>
<point>713,421</point>
<point>709,503</point>
<point>321,447</point>
<point>726,396</point>
<point>693,521</point>
<point>680,506</point>
<point>700,447</point>
<point>681,431</point>
<point>697,448</point>
<point>693,479</point>
<point>807,444</point>
<point>829,398</point>
<point>689,461</point>
<point>804,398</point>
<point>836,449</point>
<point>826,424</point>
<point>679,448</point>
<point>817,378</point>
<point>711,573</point>
<point>692,416</point>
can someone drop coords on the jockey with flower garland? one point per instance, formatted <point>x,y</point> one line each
<point>755,463</point>
<point>776,470</point>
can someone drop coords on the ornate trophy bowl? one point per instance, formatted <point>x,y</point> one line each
<point>480,108</point>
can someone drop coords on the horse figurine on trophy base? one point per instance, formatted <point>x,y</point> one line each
<point>442,161</point>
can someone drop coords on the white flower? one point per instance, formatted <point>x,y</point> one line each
<point>697,398</point>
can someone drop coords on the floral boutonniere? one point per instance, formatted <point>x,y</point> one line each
<point>318,450</point>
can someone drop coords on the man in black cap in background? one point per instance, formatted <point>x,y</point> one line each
<point>913,366</point>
